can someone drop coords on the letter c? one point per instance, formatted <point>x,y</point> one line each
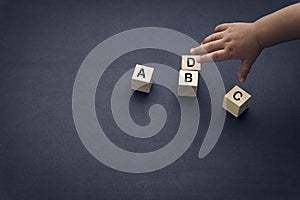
<point>237,98</point>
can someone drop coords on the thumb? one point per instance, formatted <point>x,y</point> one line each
<point>244,70</point>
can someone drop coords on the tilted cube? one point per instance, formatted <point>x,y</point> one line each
<point>236,101</point>
<point>142,78</point>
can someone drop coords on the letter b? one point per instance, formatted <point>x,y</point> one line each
<point>188,77</point>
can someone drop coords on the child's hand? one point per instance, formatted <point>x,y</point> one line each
<point>231,41</point>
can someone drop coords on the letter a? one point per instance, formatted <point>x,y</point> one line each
<point>142,73</point>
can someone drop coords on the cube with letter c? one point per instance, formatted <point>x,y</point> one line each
<point>236,101</point>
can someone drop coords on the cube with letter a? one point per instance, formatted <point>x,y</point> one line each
<point>187,83</point>
<point>142,78</point>
<point>189,62</point>
<point>236,101</point>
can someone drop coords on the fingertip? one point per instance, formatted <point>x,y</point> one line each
<point>221,27</point>
<point>192,51</point>
<point>242,79</point>
<point>217,28</point>
<point>199,60</point>
<point>244,70</point>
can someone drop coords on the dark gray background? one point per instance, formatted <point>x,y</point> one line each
<point>42,44</point>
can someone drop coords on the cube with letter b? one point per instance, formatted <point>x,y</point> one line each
<point>236,101</point>
<point>187,83</point>
<point>142,78</point>
<point>189,62</point>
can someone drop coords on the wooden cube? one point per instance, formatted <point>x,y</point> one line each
<point>236,101</point>
<point>187,83</point>
<point>189,62</point>
<point>142,78</point>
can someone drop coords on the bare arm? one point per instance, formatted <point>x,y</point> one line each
<point>280,26</point>
<point>245,41</point>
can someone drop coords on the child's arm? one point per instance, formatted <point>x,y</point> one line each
<point>280,26</point>
<point>245,41</point>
